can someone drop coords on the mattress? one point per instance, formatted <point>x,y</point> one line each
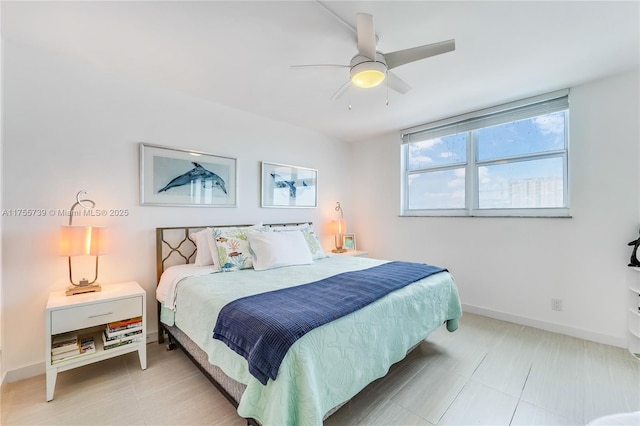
<point>328,365</point>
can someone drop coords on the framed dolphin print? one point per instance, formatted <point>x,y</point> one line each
<point>288,186</point>
<point>178,177</point>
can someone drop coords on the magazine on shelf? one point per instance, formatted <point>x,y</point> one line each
<point>73,347</point>
<point>108,340</point>
<point>70,349</point>
<point>62,340</point>
<point>122,342</point>
<point>122,333</point>
<point>65,344</point>
<point>85,346</point>
<point>64,357</point>
<point>125,324</point>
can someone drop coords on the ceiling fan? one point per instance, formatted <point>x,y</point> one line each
<point>368,68</point>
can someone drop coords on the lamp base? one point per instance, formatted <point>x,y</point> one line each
<point>79,289</point>
<point>340,250</point>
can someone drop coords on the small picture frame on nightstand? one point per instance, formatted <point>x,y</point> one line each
<point>349,241</point>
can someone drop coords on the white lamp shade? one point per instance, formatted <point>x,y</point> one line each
<point>338,226</point>
<point>82,240</point>
<point>98,241</point>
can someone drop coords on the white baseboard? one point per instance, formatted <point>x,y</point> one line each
<point>548,326</point>
<point>39,368</point>
<point>24,372</point>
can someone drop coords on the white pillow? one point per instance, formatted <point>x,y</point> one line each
<point>309,235</point>
<point>300,227</point>
<point>203,250</point>
<point>277,249</point>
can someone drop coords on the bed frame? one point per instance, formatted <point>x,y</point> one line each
<point>175,246</point>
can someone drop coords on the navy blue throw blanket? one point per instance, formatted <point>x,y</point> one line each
<point>262,327</point>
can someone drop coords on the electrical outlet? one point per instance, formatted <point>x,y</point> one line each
<point>556,304</point>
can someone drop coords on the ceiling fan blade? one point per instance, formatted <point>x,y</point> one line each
<point>401,57</point>
<point>396,83</point>
<point>341,91</point>
<point>366,36</point>
<point>297,67</point>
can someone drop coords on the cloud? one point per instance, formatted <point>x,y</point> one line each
<point>421,159</point>
<point>446,154</point>
<point>428,144</point>
<point>550,124</point>
<point>483,175</point>
<point>456,183</point>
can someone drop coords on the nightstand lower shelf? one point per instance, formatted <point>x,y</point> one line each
<point>99,355</point>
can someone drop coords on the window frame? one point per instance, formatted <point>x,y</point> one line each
<point>469,123</point>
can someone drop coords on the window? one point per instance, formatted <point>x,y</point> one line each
<point>510,160</point>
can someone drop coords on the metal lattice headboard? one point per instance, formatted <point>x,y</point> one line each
<point>176,246</point>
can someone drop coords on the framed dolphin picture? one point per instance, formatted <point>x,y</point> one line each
<point>288,186</point>
<point>178,177</point>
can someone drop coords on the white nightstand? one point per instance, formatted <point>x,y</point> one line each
<point>88,314</point>
<point>356,253</point>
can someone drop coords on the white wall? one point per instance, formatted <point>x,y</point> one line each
<point>512,267</point>
<point>68,127</point>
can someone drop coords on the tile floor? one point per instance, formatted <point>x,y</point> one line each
<point>489,372</point>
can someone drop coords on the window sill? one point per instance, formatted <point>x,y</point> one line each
<point>554,213</point>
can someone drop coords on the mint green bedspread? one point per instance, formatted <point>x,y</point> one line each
<point>330,364</point>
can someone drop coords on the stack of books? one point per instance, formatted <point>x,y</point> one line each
<point>65,347</point>
<point>122,333</point>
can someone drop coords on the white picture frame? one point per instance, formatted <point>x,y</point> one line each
<point>349,242</point>
<point>180,177</point>
<point>286,186</point>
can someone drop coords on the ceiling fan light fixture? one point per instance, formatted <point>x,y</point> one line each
<point>368,74</point>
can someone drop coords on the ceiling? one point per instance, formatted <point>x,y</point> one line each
<point>239,53</point>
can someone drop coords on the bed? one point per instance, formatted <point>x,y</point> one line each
<point>323,368</point>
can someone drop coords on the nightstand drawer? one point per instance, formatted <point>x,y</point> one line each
<point>77,317</point>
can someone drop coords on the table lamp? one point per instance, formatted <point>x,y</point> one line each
<point>82,241</point>
<point>339,227</point>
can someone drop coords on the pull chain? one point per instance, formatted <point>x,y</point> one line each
<point>386,82</point>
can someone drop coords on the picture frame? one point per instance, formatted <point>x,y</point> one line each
<point>286,186</point>
<point>349,242</point>
<point>180,177</point>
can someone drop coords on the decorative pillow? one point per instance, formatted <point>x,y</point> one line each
<point>314,243</point>
<point>278,249</point>
<point>203,250</point>
<point>309,235</point>
<point>213,248</point>
<point>234,252</point>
